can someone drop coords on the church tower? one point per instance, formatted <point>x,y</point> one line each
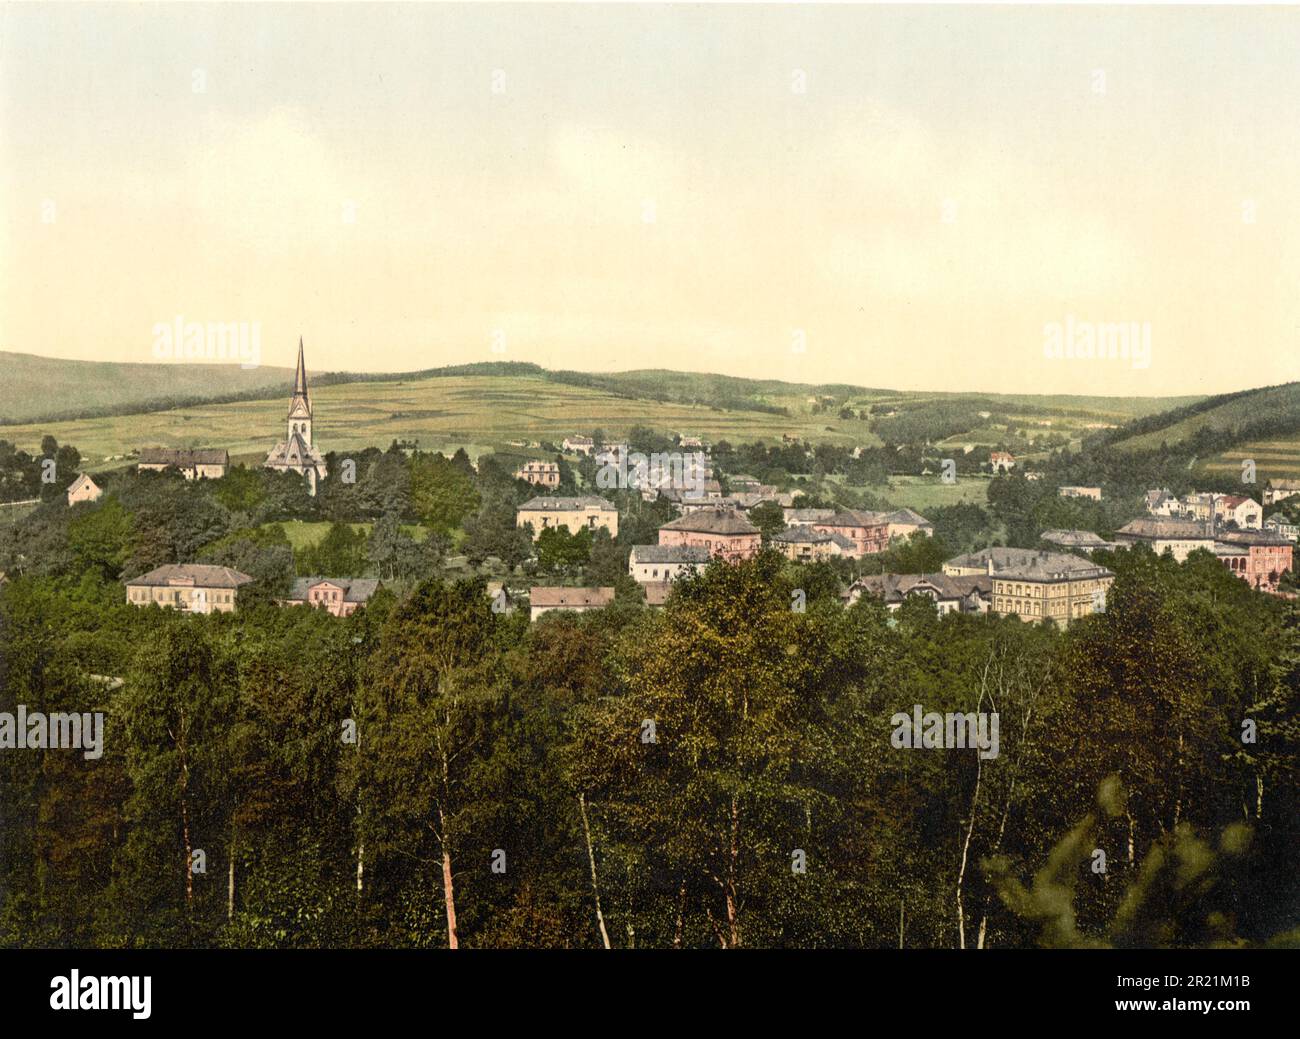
<point>300,403</point>
<point>297,454</point>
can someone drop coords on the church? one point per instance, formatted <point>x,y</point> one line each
<point>297,455</point>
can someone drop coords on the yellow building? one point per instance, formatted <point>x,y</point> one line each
<point>1055,587</point>
<point>189,587</point>
<point>575,513</point>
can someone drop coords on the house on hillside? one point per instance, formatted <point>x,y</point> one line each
<point>83,488</point>
<point>1279,490</point>
<point>1079,492</point>
<point>1239,510</point>
<point>949,594</point>
<point>579,445</point>
<point>1001,461</point>
<point>867,531</point>
<point>188,587</point>
<point>544,599</point>
<point>577,514</point>
<point>653,564</point>
<point>540,474</point>
<point>724,533</point>
<point>341,596</point>
<point>200,463</point>
<point>1180,536</point>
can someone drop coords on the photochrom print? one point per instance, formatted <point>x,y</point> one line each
<point>651,477</point>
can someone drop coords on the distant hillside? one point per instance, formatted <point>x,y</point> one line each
<point>1217,423</point>
<point>34,387</point>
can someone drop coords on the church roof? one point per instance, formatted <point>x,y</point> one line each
<point>295,452</point>
<point>300,405</point>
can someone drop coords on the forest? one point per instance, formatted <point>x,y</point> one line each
<point>432,773</point>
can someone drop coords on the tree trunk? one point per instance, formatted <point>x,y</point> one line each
<point>230,882</point>
<point>733,924</point>
<point>591,858</point>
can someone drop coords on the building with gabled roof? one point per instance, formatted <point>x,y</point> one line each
<point>341,596</point>
<point>650,564</point>
<point>83,488</point>
<point>189,587</point>
<point>193,463</point>
<point>1180,536</point>
<point>949,594</point>
<point>588,512</point>
<point>724,533</point>
<point>545,598</point>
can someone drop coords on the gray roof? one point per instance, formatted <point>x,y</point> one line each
<point>803,536</point>
<point>801,516</point>
<point>355,589</point>
<point>713,521</point>
<point>1150,527</point>
<point>1251,537</point>
<point>184,457</point>
<point>1026,562</point>
<point>1074,539</point>
<point>199,574</point>
<point>897,587</point>
<point>669,554</point>
<point>907,516</point>
<point>854,518</point>
<point>549,504</point>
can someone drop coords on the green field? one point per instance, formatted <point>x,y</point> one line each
<point>1274,459</point>
<point>525,406</point>
<point>927,492</point>
<point>478,413</point>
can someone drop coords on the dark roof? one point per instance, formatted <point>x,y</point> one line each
<point>669,554</point>
<point>1251,537</point>
<point>549,504</point>
<point>907,516</point>
<point>853,518</point>
<point>355,589</point>
<point>199,574</point>
<point>184,457</point>
<point>713,521</point>
<point>897,587</point>
<point>1150,527</point>
<point>802,536</point>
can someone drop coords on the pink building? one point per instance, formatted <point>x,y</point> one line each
<point>724,533</point>
<point>868,531</point>
<point>341,596</point>
<point>1260,559</point>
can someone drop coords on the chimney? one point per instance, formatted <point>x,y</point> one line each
<point>989,564</point>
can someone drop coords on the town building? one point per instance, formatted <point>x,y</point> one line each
<point>949,594</point>
<point>189,587</point>
<point>1279,524</point>
<point>805,517</point>
<point>297,454</point>
<point>544,599</point>
<point>540,474</point>
<point>652,564</point>
<point>1162,503</point>
<point>83,488</point>
<point>1080,492</point>
<point>579,445</point>
<point>341,596</point>
<point>589,513</point>
<point>1179,536</point>
<point>1279,490</point>
<point>200,463</point>
<point>1001,461</point>
<point>868,531</point>
<point>1258,558</point>
<point>903,523</point>
<point>725,533</point>
<point>804,544</point>
<point>1239,510</point>
<point>1053,586</point>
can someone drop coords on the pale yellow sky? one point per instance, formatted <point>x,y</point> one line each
<point>903,197</point>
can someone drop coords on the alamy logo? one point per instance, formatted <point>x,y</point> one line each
<point>667,470</point>
<point>92,992</point>
<point>181,340</point>
<point>34,730</point>
<point>952,731</point>
<point>1098,341</point>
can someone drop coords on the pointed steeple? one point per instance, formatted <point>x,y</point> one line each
<point>300,380</point>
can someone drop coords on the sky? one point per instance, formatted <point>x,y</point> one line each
<point>923,198</point>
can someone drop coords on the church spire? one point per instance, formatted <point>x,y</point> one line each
<point>300,380</point>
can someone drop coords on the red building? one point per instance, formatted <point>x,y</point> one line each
<point>868,531</point>
<point>1257,557</point>
<point>725,533</point>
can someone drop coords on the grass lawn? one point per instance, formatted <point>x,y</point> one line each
<point>928,492</point>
